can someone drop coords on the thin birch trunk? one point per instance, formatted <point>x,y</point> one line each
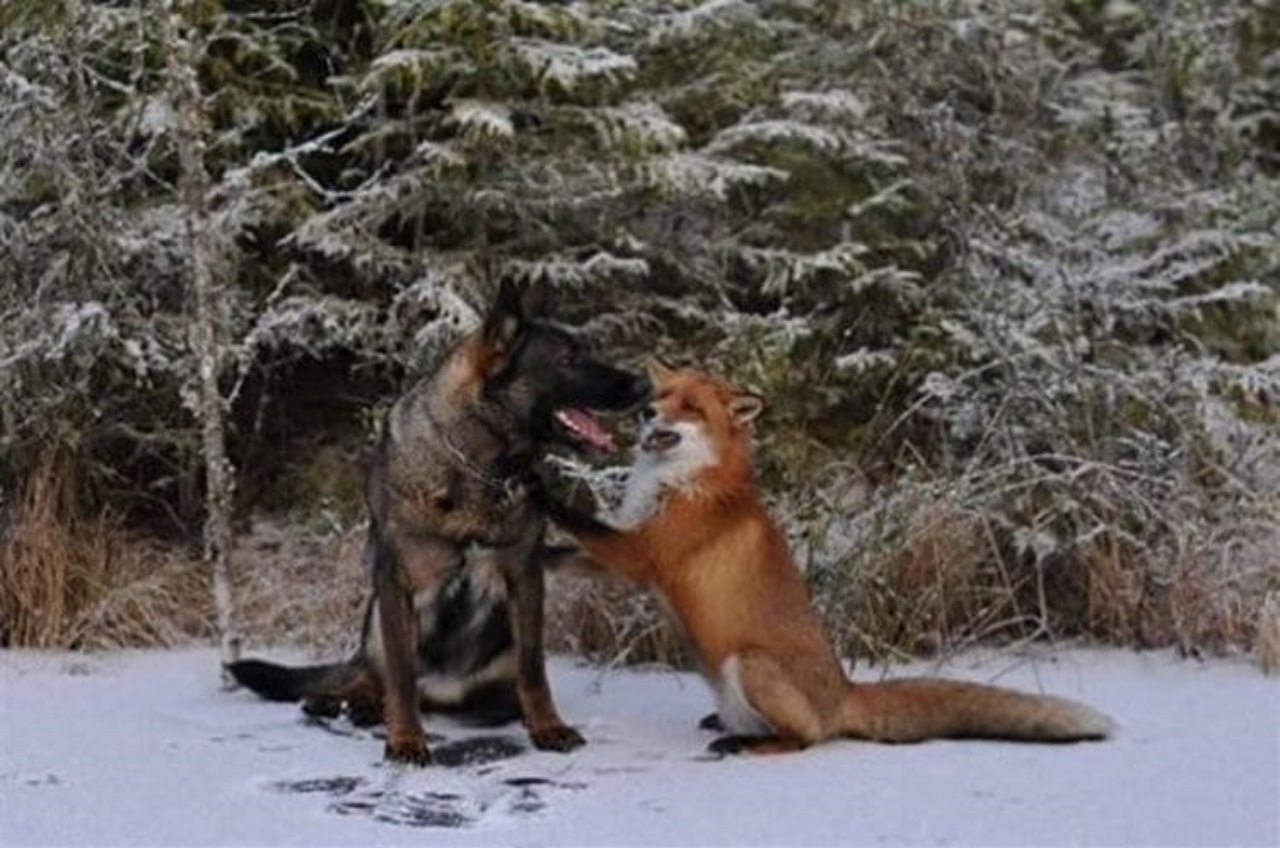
<point>182,64</point>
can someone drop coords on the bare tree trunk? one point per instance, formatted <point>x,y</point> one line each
<point>182,63</point>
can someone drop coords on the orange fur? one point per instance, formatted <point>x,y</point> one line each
<point>709,547</point>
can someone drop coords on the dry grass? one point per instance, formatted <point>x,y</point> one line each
<point>927,578</point>
<point>938,591</point>
<point>918,576</point>
<point>609,621</point>
<point>923,578</point>
<point>910,576</point>
<point>296,584</point>
<point>1267,649</point>
<point>305,587</point>
<point>72,581</point>
<point>1200,588</point>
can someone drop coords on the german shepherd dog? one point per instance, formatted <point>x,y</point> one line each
<point>456,536</point>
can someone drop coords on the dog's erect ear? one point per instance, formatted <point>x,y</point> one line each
<point>536,298</point>
<point>659,371</point>
<point>745,407</point>
<point>505,321</point>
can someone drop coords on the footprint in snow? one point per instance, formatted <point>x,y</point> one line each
<point>475,751</point>
<point>424,809</point>
<point>518,796</point>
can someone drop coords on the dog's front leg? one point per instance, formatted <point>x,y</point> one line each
<point>522,570</point>
<point>406,740</point>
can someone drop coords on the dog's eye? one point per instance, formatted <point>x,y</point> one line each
<point>566,358</point>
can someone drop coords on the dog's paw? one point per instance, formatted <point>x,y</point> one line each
<point>560,738</point>
<point>712,722</point>
<point>364,714</point>
<point>322,707</point>
<point>411,751</point>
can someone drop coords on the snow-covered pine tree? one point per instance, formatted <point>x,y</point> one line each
<point>97,363</point>
<point>95,264</point>
<point>67,299</point>
<point>1101,349</point>
<point>486,138</point>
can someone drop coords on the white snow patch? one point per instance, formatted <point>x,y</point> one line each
<point>157,117</point>
<point>491,119</point>
<point>705,20</point>
<point>643,120</point>
<point>142,748</point>
<point>837,103</point>
<point>569,64</point>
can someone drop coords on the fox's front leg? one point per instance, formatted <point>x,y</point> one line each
<point>618,551</point>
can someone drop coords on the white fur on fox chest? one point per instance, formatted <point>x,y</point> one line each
<point>654,473</point>
<point>736,713</point>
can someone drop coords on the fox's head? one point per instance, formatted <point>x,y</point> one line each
<point>696,424</point>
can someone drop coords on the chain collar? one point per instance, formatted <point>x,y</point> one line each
<point>507,486</point>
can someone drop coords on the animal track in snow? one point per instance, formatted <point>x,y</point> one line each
<point>352,795</point>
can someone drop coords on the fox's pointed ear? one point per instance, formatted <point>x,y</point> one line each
<point>505,321</point>
<point>745,407</point>
<point>659,371</point>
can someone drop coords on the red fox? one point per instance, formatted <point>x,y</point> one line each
<point>692,526</point>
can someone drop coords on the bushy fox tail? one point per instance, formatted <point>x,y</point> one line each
<point>282,683</point>
<point>916,709</point>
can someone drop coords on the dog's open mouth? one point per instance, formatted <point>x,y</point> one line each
<point>659,440</point>
<point>582,427</point>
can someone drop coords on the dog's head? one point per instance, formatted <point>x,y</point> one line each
<point>547,376</point>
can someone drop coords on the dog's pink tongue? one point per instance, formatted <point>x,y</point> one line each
<point>585,425</point>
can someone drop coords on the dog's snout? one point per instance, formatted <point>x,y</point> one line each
<point>641,389</point>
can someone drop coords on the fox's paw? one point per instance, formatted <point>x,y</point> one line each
<point>712,722</point>
<point>755,745</point>
<point>728,745</point>
<point>409,750</point>
<point>561,738</point>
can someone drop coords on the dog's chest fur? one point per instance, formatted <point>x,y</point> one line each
<point>464,629</point>
<point>446,495</point>
<point>463,622</point>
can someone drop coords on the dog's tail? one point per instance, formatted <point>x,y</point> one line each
<point>283,683</point>
<point>925,708</point>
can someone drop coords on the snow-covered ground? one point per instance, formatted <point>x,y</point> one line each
<point>145,749</point>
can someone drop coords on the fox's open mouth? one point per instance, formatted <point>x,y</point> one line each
<point>659,439</point>
<point>581,427</point>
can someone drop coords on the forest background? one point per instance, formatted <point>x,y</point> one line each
<point>1008,273</point>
